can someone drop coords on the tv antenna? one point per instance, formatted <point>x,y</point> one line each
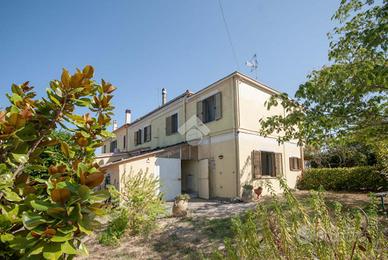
<point>252,64</point>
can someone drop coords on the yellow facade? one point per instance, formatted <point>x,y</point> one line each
<point>228,145</point>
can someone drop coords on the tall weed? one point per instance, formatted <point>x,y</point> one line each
<point>291,229</point>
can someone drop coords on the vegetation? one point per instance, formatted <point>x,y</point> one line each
<point>292,230</point>
<point>346,99</point>
<point>48,204</point>
<point>182,197</point>
<point>116,228</point>
<point>363,178</point>
<point>341,154</point>
<point>139,207</point>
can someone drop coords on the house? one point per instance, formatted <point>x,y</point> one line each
<point>205,143</point>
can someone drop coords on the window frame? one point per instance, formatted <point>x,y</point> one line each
<point>147,134</point>
<point>173,127</point>
<point>295,163</point>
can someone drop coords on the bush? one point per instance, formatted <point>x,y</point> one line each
<point>141,199</point>
<point>116,228</point>
<point>363,178</point>
<point>291,230</point>
<point>47,179</point>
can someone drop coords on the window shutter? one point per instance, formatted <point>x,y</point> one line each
<point>135,138</point>
<point>200,110</point>
<point>278,165</point>
<point>139,136</point>
<point>291,161</point>
<point>149,133</point>
<point>218,106</point>
<point>256,162</point>
<point>168,125</point>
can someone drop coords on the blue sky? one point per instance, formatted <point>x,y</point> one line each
<point>143,46</point>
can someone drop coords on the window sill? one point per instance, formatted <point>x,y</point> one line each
<point>265,178</point>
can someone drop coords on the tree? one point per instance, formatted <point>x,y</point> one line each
<point>347,98</point>
<point>47,209</point>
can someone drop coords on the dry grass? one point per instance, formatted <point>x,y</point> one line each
<point>203,231</point>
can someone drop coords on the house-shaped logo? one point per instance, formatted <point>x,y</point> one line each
<point>194,130</point>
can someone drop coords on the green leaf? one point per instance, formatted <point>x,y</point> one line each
<point>20,158</point>
<point>67,229</point>
<point>99,196</point>
<point>11,196</point>
<point>37,249</point>
<point>41,205</point>
<point>32,220</point>
<point>52,251</point>
<point>6,237</point>
<point>84,192</point>
<point>69,249</point>
<point>60,237</point>
<point>66,150</point>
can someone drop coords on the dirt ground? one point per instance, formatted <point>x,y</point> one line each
<point>203,231</point>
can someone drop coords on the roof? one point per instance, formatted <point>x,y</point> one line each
<point>148,153</point>
<point>187,93</point>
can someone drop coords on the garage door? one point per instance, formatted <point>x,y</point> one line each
<point>168,170</point>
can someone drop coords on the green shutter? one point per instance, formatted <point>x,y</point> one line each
<point>200,110</point>
<point>218,106</point>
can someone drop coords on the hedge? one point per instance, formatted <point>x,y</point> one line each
<point>362,178</point>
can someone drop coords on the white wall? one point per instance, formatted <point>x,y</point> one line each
<point>168,170</point>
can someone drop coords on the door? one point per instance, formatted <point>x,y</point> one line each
<point>203,187</point>
<point>169,172</point>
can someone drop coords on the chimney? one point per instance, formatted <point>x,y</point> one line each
<point>128,116</point>
<point>164,96</point>
<point>114,125</point>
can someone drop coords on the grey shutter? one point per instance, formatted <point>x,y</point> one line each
<point>139,136</point>
<point>168,125</point>
<point>200,110</point>
<point>149,133</point>
<point>291,163</point>
<point>135,138</point>
<point>218,106</point>
<point>278,165</point>
<point>256,162</point>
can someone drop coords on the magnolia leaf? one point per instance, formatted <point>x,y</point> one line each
<point>41,205</point>
<point>11,196</point>
<point>69,249</point>
<point>61,237</point>
<point>52,251</point>
<point>20,158</point>
<point>65,149</point>
<point>88,71</point>
<point>84,192</point>
<point>6,237</point>
<point>32,220</point>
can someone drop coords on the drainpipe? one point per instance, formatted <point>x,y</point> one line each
<point>236,133</point>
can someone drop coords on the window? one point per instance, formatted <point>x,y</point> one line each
<point>104,149</point>
<point>147,133</point>
<point>295,164</point>
<point>124,142</point>
<point>137,136</point>
<point>107,180</point>
<point>267,164</point>
<point>113,146</point>
<point>172,124</point>
<point>210,109</point>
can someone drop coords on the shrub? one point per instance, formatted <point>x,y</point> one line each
<point>291,230</point>
<point>47,206</point>
<point>116,228</point>
<point>141,199</point>
<point>363,178</point>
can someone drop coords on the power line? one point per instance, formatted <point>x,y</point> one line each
<point>229,35</point>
